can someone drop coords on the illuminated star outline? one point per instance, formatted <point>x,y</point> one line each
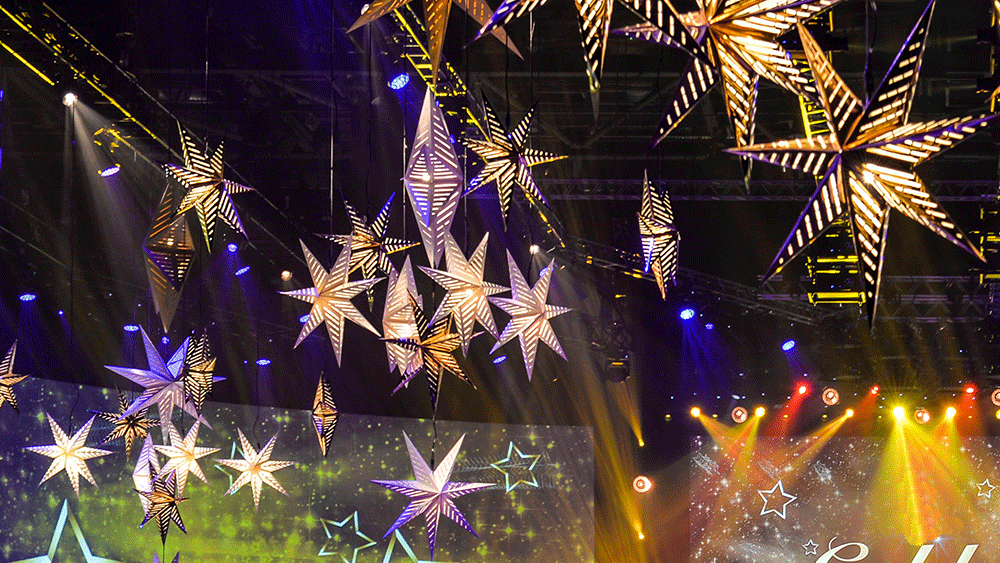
<point>988,492</point>
<point>88,556</point>
<point>341,524</point>
<point>508,463</point>
<point>779,487</point>
<point>810,547</point>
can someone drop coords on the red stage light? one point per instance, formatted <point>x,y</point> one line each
<point>874,390</point>
<point>970,389</point>
<point>803,389</point>
<point>642,484</point>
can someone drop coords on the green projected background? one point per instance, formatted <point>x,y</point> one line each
<point>333,512</point>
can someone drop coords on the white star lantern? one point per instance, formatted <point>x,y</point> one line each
<point>255,468</point>
<point>183,456</point>
<point>69,454</point>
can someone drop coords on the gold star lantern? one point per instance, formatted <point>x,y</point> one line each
<point>128,428</point>
<point>69,454</point>
<point>8,378</point>
<point>324,415</point>
<point>256,468</point>
<point>658,235</point>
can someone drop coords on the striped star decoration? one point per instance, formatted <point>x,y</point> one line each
<point>169,252</point>
<point>659,237</point>
<point>8,378</point>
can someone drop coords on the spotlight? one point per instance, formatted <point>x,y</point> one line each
<point>131,328</point>
<point>642,484</point>
<point>831,396</point>
<point>286,275</point>
<point>950,413</point>
<point>849,413</point>
<point>61,312</point>
<point>642,536</point>
<point>998,414</point>
<point>242,270</point>
<point>28,297</point>
<point>263,362</point>
<point>231,247</point>
<point>165,340</point>
<point>739,415</point>
<point>899,413</point>
<point>970,389</point>
<point>922,416</point>
<point>709,326</point>
<point>788,345</point>
<point>499,359</point>
<point>110,171</point>
<point>759,412</point>
<point>687,314</point>
<point>304,318</point>
<point>69,99</point>
<point>995,397</point>
<point>874,390</point>
<point>533,249</point>
<point>400,81</point>
<point>803,389</point>
<point>695,412</point>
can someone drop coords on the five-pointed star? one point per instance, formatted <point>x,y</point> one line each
<point>333,537</point>
<point>324,415</point>
<point>147,467</point>
<point>163,382</point>
<point>161,503</point>
<point>69,453</point>
<point>659,236</point>
<point>436,17</point>
<point>169,253</point>
<point>8,378</point>
<point>466,299</point>
<point>208,192</point>
<point>331,298</point>
<point>508,160</point>
<point>810,547</point>
<point>776,495</point>
<point>184,455</point>
<point>516,459</point>
<point>529,314</point>
<point>256,468</point>
<point>398,321</point>
<point>866,160</point>
<point>199,378</point>
<point>432,493</point>
<point>65,513</point>
<point>986,489</point>
<point>128,428</point>
<point>433,179</point>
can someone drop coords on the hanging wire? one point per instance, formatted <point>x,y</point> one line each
<point>871,29</point>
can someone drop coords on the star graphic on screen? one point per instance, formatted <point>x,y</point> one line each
<point>774,496</point>
<point>69,454</point>
<point>331,296</point>
<point>986,489</point>
<point>658,235</point>
<point>334,539</point>
<point>256,468</point>
<point>128,428</point>
<point>66,514</point>
<point>810,547</point>
<point>8,378</point>
<point>432,492</point>
<point>161,504</point>
<point>397,538</point>
<point>183,456</point>
<point>520,461</point>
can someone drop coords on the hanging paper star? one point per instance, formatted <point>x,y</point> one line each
<point>659,236</point>
<point>776,496</point>
<point>163,382</point>
<point>432,492</point>
<point>256,468</point>
<point>866,161</point>
<point>69,454</point>
<point>333,537</point>
<point>436,15</point>
<point>530,314</point>
<point>398,321</point>
<point>466,299</point>
<point>208,192</point>
<point>516,459</point>
<point>184,455</point>
<point>433,179</point>
<point>126,427</point>
<point>147,467</point>
<point>331,298</point>
<point>508,160</point>
<point>199,378</point>
<point>8,378</point>
<point>161,502</point>
<point>66,514</point>
<point>169,252</point>
<point>324,415</point>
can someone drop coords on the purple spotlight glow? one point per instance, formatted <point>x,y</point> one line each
<point>61,313</point>
<point>788,345</point>
<point>28,297</point>
<point>709,326</point>
<point>263,362</point>
<point>304,318</point>
<point>499,360</point>
<point>231,247</point>
<point>687,314</point>
<point>165,340</point>
<point>110,171</point>
<point>399,82</point>
<point>242,270</point>
<point>131,328</point>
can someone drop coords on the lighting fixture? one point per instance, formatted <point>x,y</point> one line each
<point>286,275</point>
<point>131,328</point>
<point>687,314</point>
<point>263,362</point>
<point>849,413</point>
<point>400,81</point>
<point>830,396</point>
<point>998,414</point>
<point>759,412</point>
<point>110,171</point>
<point>922,415</point>
<point>499,360</point>
<point>898,412</point>
<point>69,99</point>
<point>739,415</point>
<point>695,412</point>
<point>788,345</point>
<point>304,318</point>
<point>231,247</point>
<point>642,484</point>
<point>874,390</point>
<point>950,412</point>
<point>970,389</point>
<point>533,249</point>
<point>165,340</point>
<point>709,326</point>
<point>803,389</point>
<point>242,270</point>
<point>995,397</point>
<point>28,297</point>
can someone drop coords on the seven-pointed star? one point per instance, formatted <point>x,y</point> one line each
<point>398,321</point>
<point>508,160</point>
<point>324,415</point>
<point>529,314</point>
<point>986,489</point>
<point>69,454</point>
<point>658,235</point>
<point>128,428</point>
<point>333,537</point>
<point>67,514</point>
<point>466,299</point>
<point>331,298</point>
<point>8,378</point>
<point>184,455</point>
<point>776,495</point>
<point>517,460</point>
<point>432,493</point>
<point>256,468</point>
<point>161,503</point>
<point>866,160</point>
<point>208,192</point>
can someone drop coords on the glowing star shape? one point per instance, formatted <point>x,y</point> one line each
<point>256,468</point>
<point>163,382</point>
<point>69,454</point>
<point>398,321</point>
<point>433,179</point>
<point>986,489</point>
<point>127,428</point>
<point>8,378</point>
<point>147,467</point>
<point>161,504</point>
<point>169,252</point>
<point>776,495</point>
<point>810,547</point>
<point>659,237</point>
<point>324,415</point>
<point>866,161</point>
<point>466,299</point>
<point>66,514</point>
<point>333,537</point>
<point>208,193</point>
<point>436,16</point>
<point>184,455</point>
<point>530,314</point>
<point>517,460</point>
<point>432,493</point>
<point>199,378</point>
<point>508,160</point>
<point>331,298</point>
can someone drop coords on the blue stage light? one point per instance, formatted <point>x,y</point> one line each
<point>709,326</point>
<point>304,318</point>
<point>110,171</point>
<point>165,340</point>
<point>788,345</point>
<point>131,328</point>
<point>231,247</point>
<point>399,82</point>
<point>687,314</point>
<point>263,362</point>
<point>61,313</point>
<point>28,297</point>
<point>499,360</point>
<point>242,270</point>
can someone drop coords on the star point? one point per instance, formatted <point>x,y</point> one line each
<point>399,322</point>
<point>69,454</point>
<point>255,468</point>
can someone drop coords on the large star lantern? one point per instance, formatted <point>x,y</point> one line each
<point>127,428</point>
<point>169,253</point>
<point>69,453</point>
<point>331,296</point>
<point>183,455</point>
<point>8,378</point>
<point>255,468</point>
<point>658,235</point>
<point>161,504</point>
<point>466,299</point>
<point>432,492</point>
<point>508,160</point>
<point>208,193</point>
<point>529,314</point>
<point>324,415</point>
<point>398,321</point>
<point>866,161</point>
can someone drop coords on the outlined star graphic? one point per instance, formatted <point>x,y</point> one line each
<point>69,454</point>
<point>66,514</point>
<point>769,495</point>
<point>517,459</point>
<point>810,547</point>
<point>334,537</point>
<point>986,489</point>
